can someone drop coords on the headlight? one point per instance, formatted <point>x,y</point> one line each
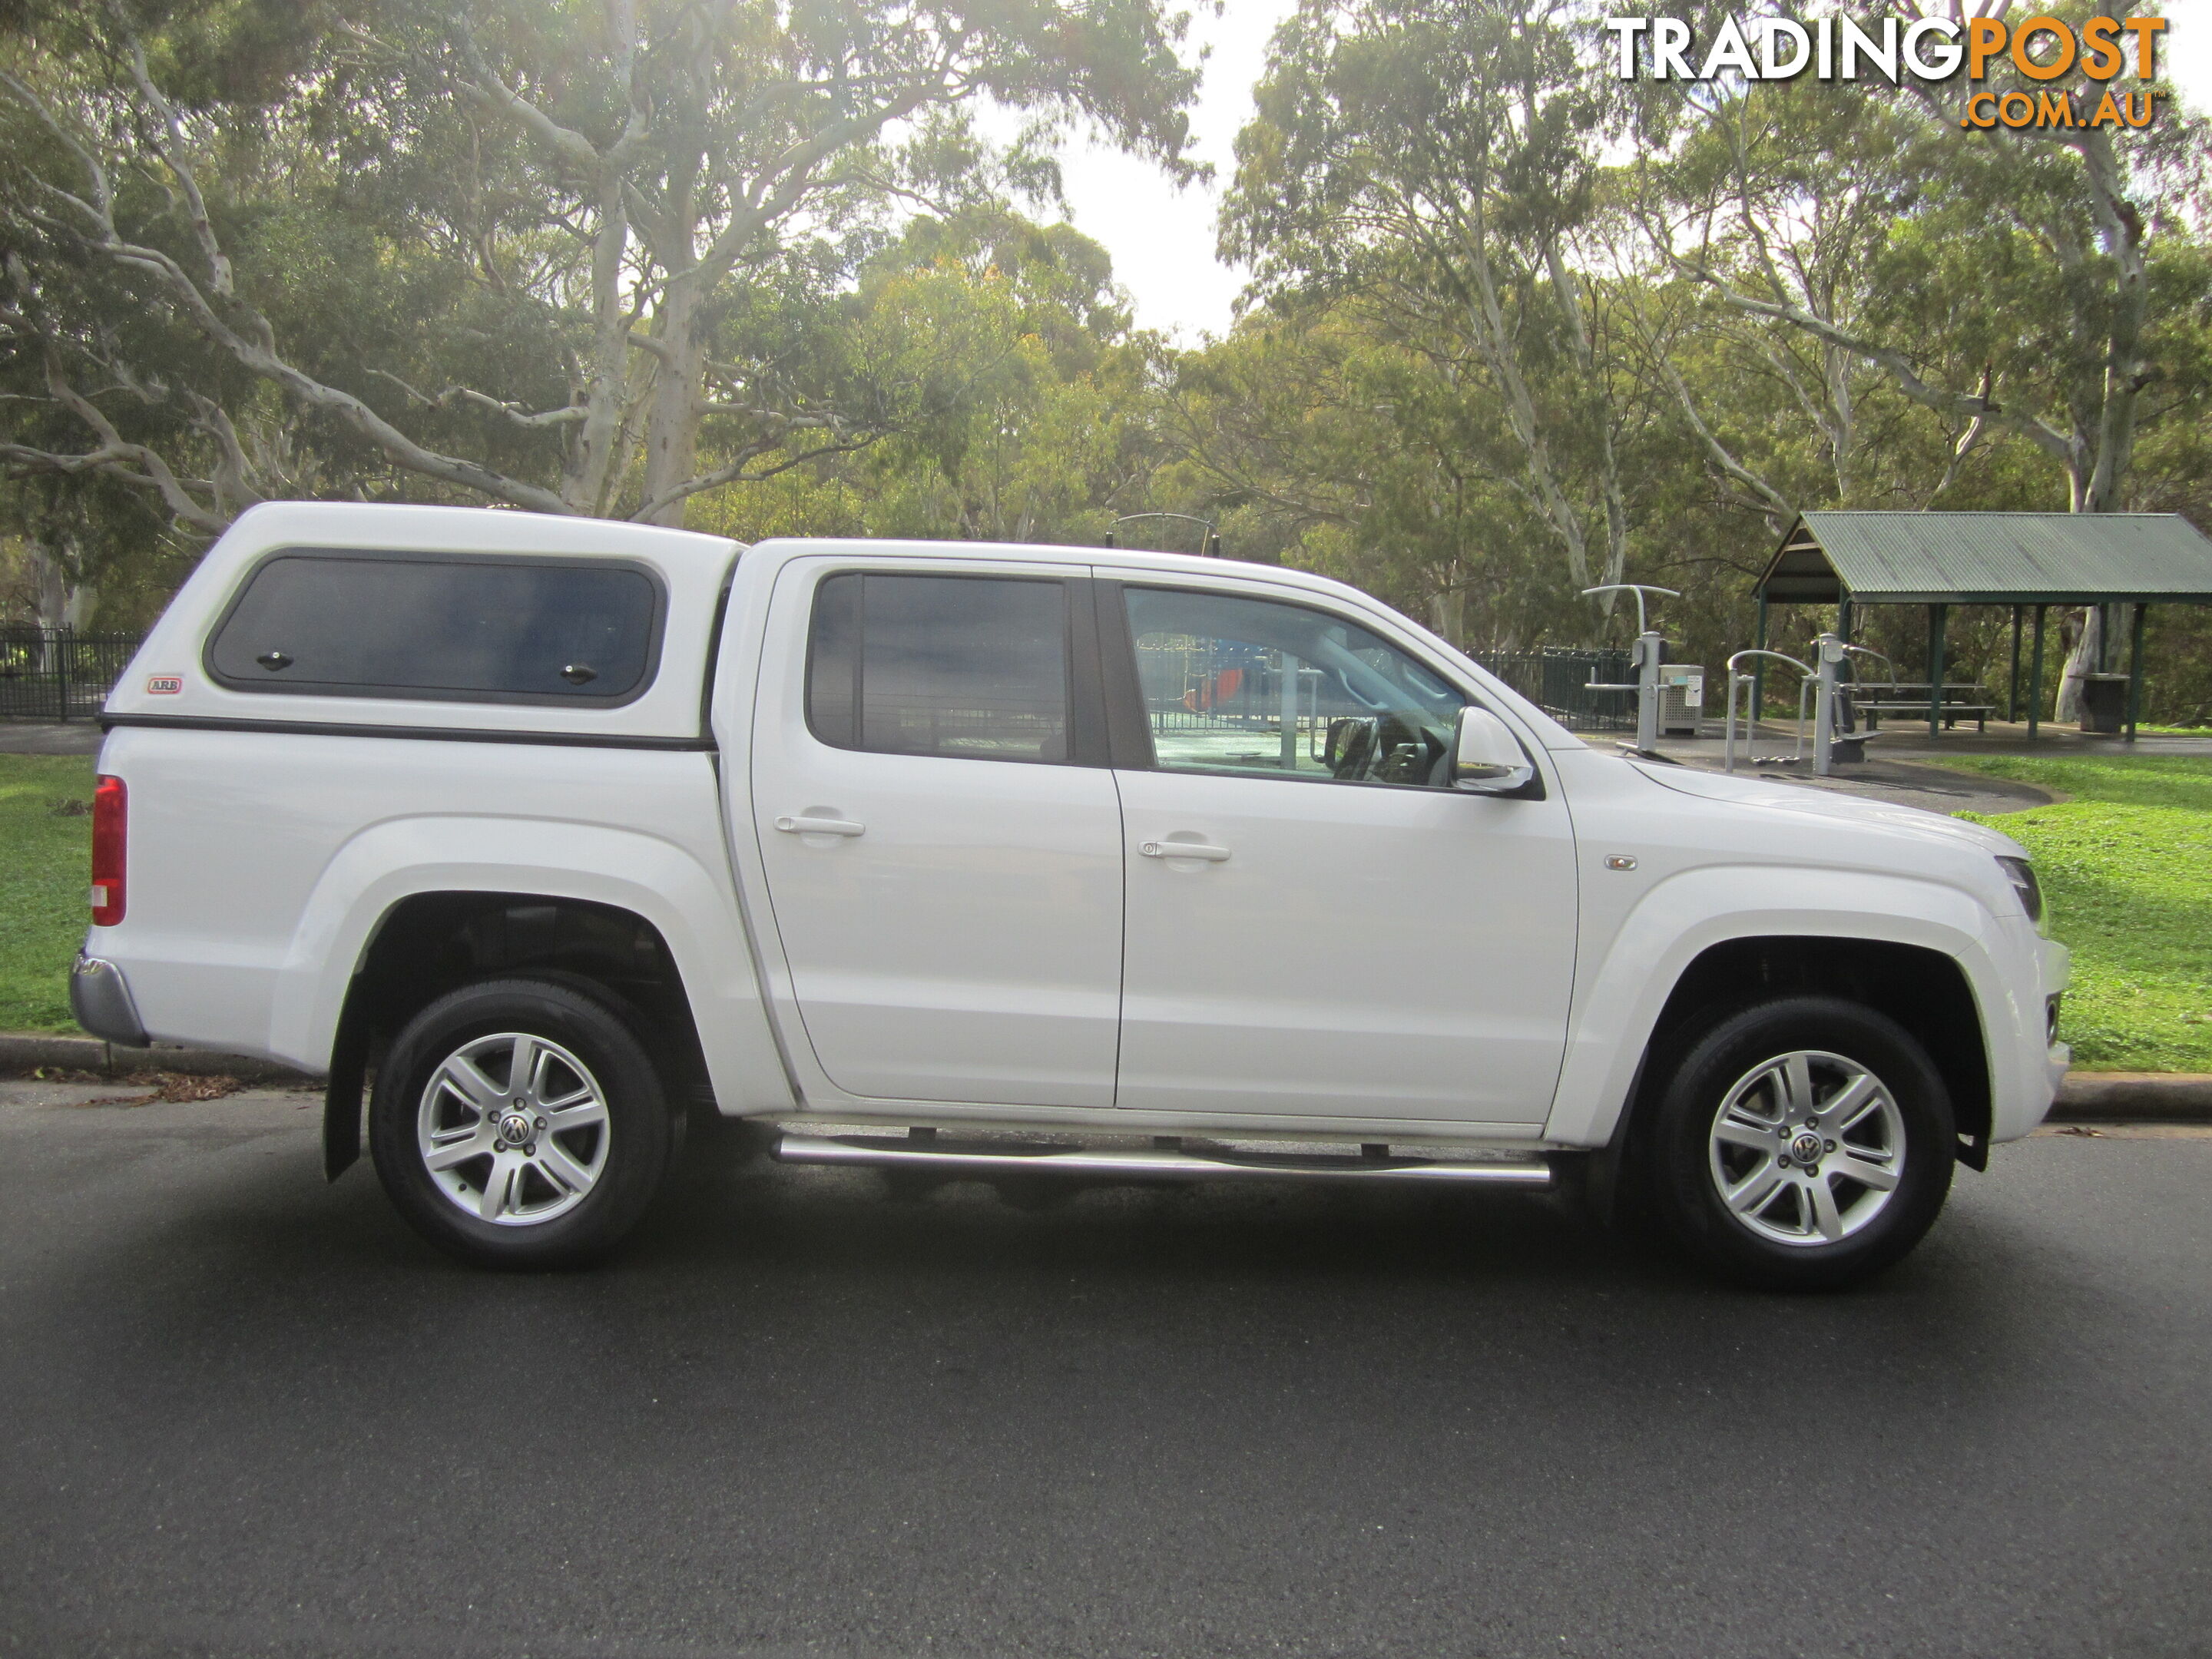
<point>2021,875</point>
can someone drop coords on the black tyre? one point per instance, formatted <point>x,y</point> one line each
<point>520,1123</point>
<point>1801,1144</point>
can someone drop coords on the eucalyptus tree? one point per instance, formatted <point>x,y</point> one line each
<point>562,225</point>
<point>1438,158</point>
<point>2033,284</point>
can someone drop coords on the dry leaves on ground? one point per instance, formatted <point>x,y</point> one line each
<point>173,1087</point>
<point>67,1075</point>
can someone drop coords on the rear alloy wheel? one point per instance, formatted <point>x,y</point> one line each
<point>519,1123</point>
<point>514,1129</point>
<point>1801,1144</point>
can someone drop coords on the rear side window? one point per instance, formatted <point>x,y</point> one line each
<point>966,667</point>
<point>448,627</point>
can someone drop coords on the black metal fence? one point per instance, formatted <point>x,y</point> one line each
<point>59,673</point>
<point>1558,681</point>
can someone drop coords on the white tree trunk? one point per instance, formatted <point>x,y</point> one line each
<point>2081,662</point>
<point>1447,615</point>
<point>59,598</point>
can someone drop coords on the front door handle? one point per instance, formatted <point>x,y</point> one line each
<point>801,825</point>
<point>1183,849</point>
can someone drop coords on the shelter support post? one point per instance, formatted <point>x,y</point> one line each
<point>1829,649</point>
<point>2135,670</point>
<point>1759,674</point>
<point>1846,614</point>
<point>2012,690</point>
<point>2035,676</point>
<point>1938,615</point>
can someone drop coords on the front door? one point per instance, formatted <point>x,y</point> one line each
<point>1318,925</point>
<point>940,833</point>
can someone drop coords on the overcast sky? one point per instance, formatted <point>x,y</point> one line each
<point>1162,239</point>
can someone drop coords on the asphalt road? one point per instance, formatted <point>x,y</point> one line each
<point>244,1413</point>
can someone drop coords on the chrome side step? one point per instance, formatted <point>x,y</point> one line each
<point>1152,1162</point>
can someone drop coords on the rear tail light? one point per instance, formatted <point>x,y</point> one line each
<point>110,811</point>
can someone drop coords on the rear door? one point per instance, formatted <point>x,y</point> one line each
<point>939,829</point>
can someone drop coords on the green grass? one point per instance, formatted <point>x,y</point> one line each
<point>2126,866</point>
<point>44,866</point>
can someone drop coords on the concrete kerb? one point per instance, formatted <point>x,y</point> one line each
<point>2085,1097</point>
<point>2122,1097</point>
<point>27,1051</point>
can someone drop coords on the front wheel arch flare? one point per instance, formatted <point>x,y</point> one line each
<point>1923,990</point>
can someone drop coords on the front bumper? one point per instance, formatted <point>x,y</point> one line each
<point>2056,966</point>
<point>100,1000</point>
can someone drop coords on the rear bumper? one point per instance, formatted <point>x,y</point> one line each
<point>99,998</point>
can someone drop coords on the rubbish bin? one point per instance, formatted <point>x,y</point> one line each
<point>2104,702</point>
<point>1681,698</point>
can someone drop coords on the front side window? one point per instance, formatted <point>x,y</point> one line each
<point>454,628</point>
<point>1240,686</point>
<point>964,668</point>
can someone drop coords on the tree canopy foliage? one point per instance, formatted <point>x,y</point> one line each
<point>1515,326</point>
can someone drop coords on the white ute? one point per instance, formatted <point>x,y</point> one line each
<point>1013,862</point>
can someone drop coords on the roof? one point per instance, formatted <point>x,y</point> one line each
<point>1990,558</point>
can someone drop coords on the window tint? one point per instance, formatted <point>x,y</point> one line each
<point>463,630</point>
<point>1247,685</point>
<point>970,667</point>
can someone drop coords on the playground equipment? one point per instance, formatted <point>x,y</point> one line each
<point>1645,654</point>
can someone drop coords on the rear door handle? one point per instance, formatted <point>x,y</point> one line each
<point>1184,849</point>
<point>802,825</point>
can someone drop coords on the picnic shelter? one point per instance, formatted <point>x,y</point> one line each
<point>2028,561</point>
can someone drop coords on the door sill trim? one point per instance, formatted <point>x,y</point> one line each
<point>1214,1162</point>
<point>865,1116</point>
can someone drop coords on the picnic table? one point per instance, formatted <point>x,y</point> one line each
<point>1874,698</point>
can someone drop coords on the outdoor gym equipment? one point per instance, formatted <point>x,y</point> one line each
<point>1736,679</point>
<point>1211,547</point>
<point>1821,684</point>
<point>1646,655</point>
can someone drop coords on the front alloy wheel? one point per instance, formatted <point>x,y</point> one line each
<point>1808,1148</point>
<point>1803,1142</point>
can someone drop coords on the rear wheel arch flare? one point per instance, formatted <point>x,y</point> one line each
<point>428,944</point>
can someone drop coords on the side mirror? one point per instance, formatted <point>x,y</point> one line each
<point>1487,757</point>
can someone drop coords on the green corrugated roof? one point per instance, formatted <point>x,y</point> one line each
<point>1990,558</point>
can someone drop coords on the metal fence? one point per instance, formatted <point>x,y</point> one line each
<point>1558,681</point>
<point>59,673</point>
